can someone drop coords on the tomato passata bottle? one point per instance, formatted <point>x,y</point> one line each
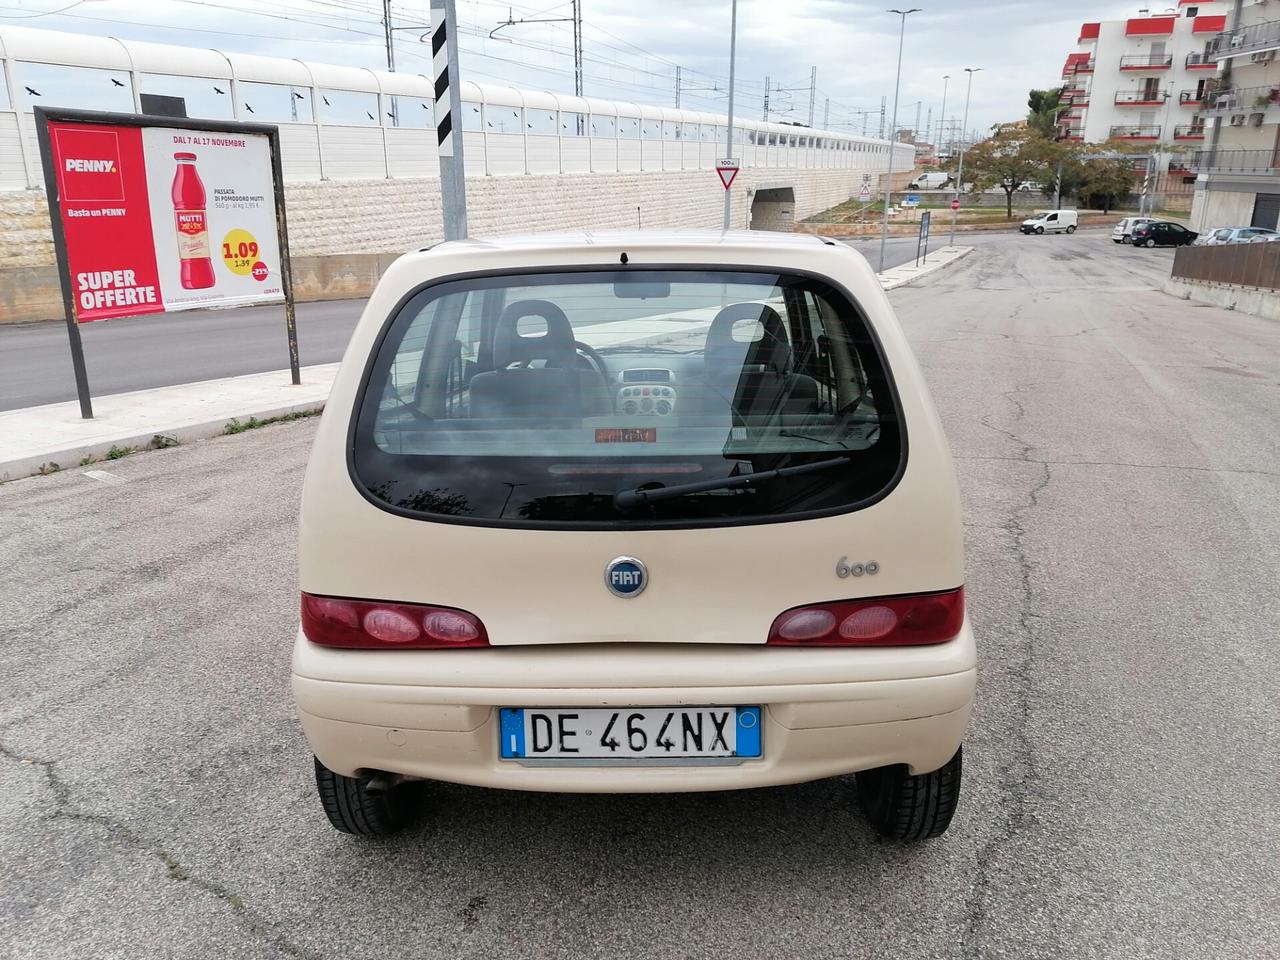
<point>193,227</point>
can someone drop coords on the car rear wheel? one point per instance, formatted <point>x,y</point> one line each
<point>353,808</point>
<point>1151,242</point>
<point>909,808</point>
<point>1071,229</point>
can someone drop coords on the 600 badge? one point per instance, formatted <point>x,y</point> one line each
<point>845,569</point>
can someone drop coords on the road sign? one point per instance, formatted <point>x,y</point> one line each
<point>955,204</point>
<point>922,245</point>
<point>912,200</point>
<point>727,169</point>
<point>865,192</point>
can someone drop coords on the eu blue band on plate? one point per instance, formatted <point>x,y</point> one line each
<point>748,744</point>
<point>512,722</point>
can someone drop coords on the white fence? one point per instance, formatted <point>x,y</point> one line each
<point>347,123</point>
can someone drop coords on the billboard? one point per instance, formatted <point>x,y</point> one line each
<point>158,218</point>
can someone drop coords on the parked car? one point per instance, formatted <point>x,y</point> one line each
<point>544,547</point>
<point>1162,233</point>
<point>1052,221</point>
<point>1121,232</point>
<point>930,181</point>
<point>1225,235</point>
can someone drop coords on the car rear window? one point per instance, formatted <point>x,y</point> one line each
<point>629,398</point>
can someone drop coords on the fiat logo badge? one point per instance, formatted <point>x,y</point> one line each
<point>626,577</point>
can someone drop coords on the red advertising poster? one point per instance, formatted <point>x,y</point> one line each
<point>158,219</point>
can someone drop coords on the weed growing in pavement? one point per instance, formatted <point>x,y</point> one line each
<point>253,423</point>
<point>46,468</point>
<point>86,460</point>
<point>117,453</point>
<point>162,441</point>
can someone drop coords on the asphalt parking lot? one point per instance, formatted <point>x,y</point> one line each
<point>1120,466</point>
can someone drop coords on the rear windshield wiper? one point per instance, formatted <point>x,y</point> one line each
<point>628,499</point>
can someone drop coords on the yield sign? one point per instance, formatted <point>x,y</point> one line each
<point>727,169</point>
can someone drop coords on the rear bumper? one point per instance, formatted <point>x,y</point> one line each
<point>827,712</point>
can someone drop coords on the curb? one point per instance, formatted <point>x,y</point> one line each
<point>897,277</point>
<point>68,457</point>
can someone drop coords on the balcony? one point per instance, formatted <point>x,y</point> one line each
<point>1140,98</point>
<point>1146,61</point>
<point>1257,38</point>
<point>1084,66</point>
<point>1191,98</point>
<point>1235,161</point>
<point>1194,131</point>
<point>1201,61</point>
<point>1126,132</point>
<point>1242,99</point>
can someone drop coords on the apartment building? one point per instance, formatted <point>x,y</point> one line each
<point>1239,167</point>
<point>1142,80</point>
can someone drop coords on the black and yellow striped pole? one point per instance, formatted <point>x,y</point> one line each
<point>448,113</point>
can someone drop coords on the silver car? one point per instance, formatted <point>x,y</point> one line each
<point>1123,231</point>
<point>1225,235</point>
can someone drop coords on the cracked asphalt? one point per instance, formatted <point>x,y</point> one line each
<point>1120,466</point>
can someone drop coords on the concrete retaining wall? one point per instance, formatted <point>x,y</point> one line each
<point>1251,300</point>
<point>343,233</point>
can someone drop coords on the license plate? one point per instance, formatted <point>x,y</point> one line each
<point>598,734</point>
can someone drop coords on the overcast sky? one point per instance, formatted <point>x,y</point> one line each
<point>632,47</point>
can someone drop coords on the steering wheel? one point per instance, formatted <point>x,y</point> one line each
<point>592,358</point>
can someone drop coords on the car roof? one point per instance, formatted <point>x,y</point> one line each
<point>647,240</point>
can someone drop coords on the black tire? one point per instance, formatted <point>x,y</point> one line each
<point>910,808</point>
<point>1151,242</point>
<point>353,809</point>
<point>1071,229</point>
<point>1114,240</point>
<point>1039,231</point>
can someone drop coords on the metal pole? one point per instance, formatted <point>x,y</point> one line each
<point>826,114</point>
<point>955,214</point>
<point>728,144</point>
<point>893,133</point>
<point>386,26</point>
<point>942,116</point>
<point>448,105</point>
<point>64,261</point>
<point>677,87</point>
<point>766,98</point>
<point>286,264</point>
<point>813,90</point>
<point>578,78</point>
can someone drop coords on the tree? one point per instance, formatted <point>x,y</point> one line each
<point>1012,158</point>
<point>1043,108</point>
<point>1106,182</point>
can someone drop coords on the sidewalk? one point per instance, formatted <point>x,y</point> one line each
<point>896,277</point>
<point>55,437</point>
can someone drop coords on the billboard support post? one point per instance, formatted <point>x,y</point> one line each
<point>286,265</point>
<point>64,266</point>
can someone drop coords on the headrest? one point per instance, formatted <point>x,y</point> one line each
<point>555,345</point>
<point>725,354</point>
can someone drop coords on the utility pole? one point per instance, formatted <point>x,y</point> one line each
<point>915,131</point>
<point>733,59</point>
<point>813,90</point>
<point>942,114</point>
<point>386,29</point>
<point>928,127</point>
<point>677,86</point>
<point>575,19</point>
<point>826,114</point>
<point>882,105</point>
<point>955,214</point>
<point>893,133</point>
<point>448,105</point>
<point>766,99</point>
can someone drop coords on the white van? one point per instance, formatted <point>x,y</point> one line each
<point>1052,221</point>
<point>632,512</point>
<point>930,181</point>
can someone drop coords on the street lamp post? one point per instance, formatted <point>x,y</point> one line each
<point>893,130</point>
<point>955,209</point>
<point>728,144</point>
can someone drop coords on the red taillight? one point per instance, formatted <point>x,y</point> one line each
<point>914,620</point>
<point>374,625</point>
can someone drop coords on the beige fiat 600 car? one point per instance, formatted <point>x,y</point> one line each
<point>632,512</point>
